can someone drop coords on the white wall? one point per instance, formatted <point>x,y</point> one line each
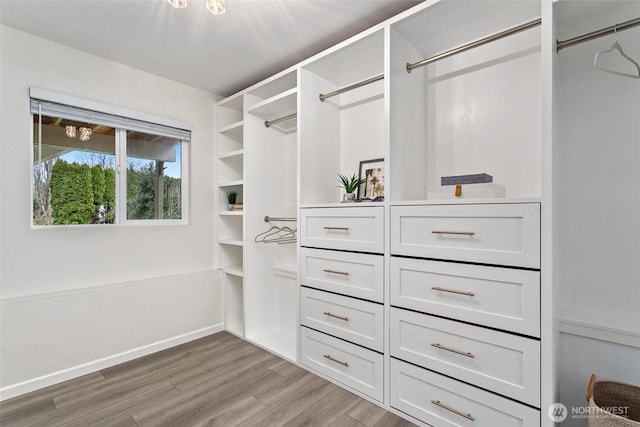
<point>77,299</point>
<point>598,201</point>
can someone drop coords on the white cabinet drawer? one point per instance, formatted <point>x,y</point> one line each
<point>502,298</point>
<point>442,401</point>
<point>356,229</point>
<point>360,322</point>
<point>358,275</point>
<point>347,363</point>
<point>503,234</point>
<point>498,361</point>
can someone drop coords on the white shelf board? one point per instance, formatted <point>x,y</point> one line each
<point>277,341</point>
<point>234,270</point>
<point>233,242</point>
<point>233,128</point>
<point>231,213</point>
<point>231,183</point>
<point>283,104</point>
<point>232,154</point>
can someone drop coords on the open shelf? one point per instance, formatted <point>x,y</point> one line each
<point>234,270</point>
<point>281,104</point>
<point>236,183</point>
<point>232,154</point>
<point>231,213</point>
<point>232,129</point>
<point>232,242</point>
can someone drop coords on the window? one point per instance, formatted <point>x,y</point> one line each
<point>94,167</point>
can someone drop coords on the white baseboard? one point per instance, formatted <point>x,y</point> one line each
<point>96,365</point>
<point>602,333</point>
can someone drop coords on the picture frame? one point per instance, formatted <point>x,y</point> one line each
<point>373,172</point>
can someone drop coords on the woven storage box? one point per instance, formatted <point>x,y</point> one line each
<point>613,405</point>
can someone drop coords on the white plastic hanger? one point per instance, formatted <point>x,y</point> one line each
<point>615,47</point>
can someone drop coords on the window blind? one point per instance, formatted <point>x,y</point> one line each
<point>53,109</point>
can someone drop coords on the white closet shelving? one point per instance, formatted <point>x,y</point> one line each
<point>478,111</point>
<point>260,163</point>
<point>345,129</point>
<point>230,224</point>
<point>494,107</point>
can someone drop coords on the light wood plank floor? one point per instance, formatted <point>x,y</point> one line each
<point>219,380</point>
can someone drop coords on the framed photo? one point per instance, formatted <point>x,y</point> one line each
<point>373,172</point>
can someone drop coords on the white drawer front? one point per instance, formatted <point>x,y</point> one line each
<point>356,229</point>
<point>358,321</point>
<point>358,275</point>
<point>498,361</point>
<point>503,298</point>
<point>347,363</point>
<point>442,401</point>
<point>503,234</point>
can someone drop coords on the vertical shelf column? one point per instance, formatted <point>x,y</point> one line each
<point>230,218</point>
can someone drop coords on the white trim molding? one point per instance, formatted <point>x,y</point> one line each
<point>602,333</point>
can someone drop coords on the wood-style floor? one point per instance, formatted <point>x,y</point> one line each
<point>219,380</point>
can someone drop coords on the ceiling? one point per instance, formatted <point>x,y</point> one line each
<point>222,54</point>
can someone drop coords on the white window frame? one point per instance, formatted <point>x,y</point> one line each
<point>140,121</point>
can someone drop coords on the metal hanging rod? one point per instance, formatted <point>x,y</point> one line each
<point>268,123</point>
<point>502,34</point>
<point>356,85</point>
<point>271,218</point>
<point>596,34</point>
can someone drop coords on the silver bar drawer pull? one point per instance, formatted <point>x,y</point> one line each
<point>455,411</point>
<point>326,270</point>
<point>327,313</point>
<point>463,233</point>
<point>337,228</point>
<point>453,291</point>
<point>452,350</point>
<point>345,364</point>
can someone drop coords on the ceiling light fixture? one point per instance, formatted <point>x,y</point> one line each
<point>70,131</point>
<point>85,134</point>
<point>215,6</point>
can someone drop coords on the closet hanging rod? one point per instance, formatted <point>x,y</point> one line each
<point>502,34</point>
<point>268,123</point>
<point>561,44</point>
<point>356,85</point>
<point>271,218</point>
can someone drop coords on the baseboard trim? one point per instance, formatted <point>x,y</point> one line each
<point>602,333</point>
<point>96,365</point>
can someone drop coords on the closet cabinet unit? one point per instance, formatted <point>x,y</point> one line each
<point>471,110</point>
<point>342,315</point>
<point>230,223</point>
<point>270,190</point>
<point>456,289</point>
<point>342,119</point>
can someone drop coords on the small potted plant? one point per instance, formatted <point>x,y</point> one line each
<point>231,199</point>
<point>350,185</point>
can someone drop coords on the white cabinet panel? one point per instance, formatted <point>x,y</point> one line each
<point>502,298</point>
<point>357,275</point>
<point>347,363</point>
<point>502,234</point>
<point>442,401</point>
<point>360,322</point>
<point>505,363</point>
<point>356,229</point>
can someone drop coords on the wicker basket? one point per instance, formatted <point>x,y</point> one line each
<point>613,404</point>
